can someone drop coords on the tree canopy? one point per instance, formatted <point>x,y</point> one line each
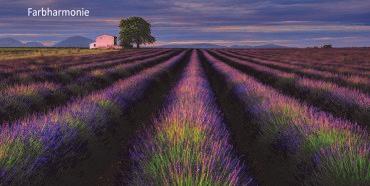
<point>135,30</point>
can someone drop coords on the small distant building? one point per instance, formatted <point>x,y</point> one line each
<point>105,41</point>
<point>327,46</point>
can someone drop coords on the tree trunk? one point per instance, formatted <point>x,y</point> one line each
<point>137,45</point>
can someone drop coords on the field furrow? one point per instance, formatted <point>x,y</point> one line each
<point>342,102</point>
<point>40,145</point>
<point>43,63</point>
<point>64,75</point>
<point>48,63</point>
<point>355,82</point>
<point>296,143</point>
<point>320,66</point>
<point>185,117</point>
<point>346,60</point>
<point>189,143</point>
<point>22,100</point>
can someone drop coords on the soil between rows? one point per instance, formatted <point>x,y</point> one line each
<point>266,167</point>
<point>107,160</point>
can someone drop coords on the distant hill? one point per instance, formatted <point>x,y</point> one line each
<point>199,45</point>
<point>260,46</point>
<point>75,41</point>
<point>241,46</point>
<point>10,42</point>
<point>34,44</point>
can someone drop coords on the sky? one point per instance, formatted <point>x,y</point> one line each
<point>295,23</point>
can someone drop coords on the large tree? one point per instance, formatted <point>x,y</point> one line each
<point>135,30</point>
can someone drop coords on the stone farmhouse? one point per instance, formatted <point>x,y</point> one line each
<point>105,41</point>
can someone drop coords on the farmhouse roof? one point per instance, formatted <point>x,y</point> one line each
<point>106,35</point>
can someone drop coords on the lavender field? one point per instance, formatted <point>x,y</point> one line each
<point>187,117</point>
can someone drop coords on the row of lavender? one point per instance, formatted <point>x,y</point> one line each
<point>21,100</point>
<point>30,147</point>
<point>332,60</point>
<point>8,68</point>
<point>189,143</point>
<point>324,149</point>
<point>348,72</point>
<point>63,74</point>
<point>344,61</point>
<point>342,102</point>
<point>351,81</point>
<point>11,67</point>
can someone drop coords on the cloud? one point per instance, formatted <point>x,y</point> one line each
<point>19,34</point>
<point>208,8</point>
<point>227,42</point>
<point>333,38</point>
<point>29,3</point>
<point>289,28</point>
<point>223,21</point>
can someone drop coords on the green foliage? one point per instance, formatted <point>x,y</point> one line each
<point>135,30</point>
<point>181,152</point>
<point>322,139</point>
<point>110,108</point>
<point>343,168</point>
<point>20,53</point>
<point>75,122</point>
<point>281,117</point>
<point>13,152</point>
